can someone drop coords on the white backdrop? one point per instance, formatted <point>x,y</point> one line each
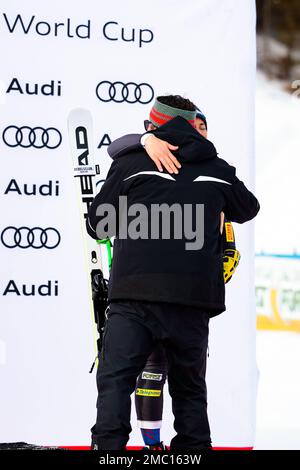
<point>203,49</point>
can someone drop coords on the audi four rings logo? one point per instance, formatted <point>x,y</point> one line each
<point>25,237</point>
<point>129,92</point>
<point>36,137</point>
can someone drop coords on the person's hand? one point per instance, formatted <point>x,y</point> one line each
<point>159,151</point>
<point>222,217</point>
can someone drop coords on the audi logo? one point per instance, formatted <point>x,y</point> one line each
<point>25,237</point>
<point>119,92</point>
<point>36,137</point>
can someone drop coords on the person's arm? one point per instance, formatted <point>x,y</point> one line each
<point>113,187</point>
<point>240,204</point>
<point>124,145</point>
<point>222,222</point>
<point>158,150</point>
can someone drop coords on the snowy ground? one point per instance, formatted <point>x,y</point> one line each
<point>277,168</point>
<point>278,231</point>
<point>278,401</point>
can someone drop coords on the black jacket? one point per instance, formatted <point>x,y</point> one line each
<point>131,142</point>
<point>163,270</point>
<point>125,144</point>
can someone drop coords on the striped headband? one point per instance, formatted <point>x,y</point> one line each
<point>162,113</point>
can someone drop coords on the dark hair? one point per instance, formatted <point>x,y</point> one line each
<point>177,101</point>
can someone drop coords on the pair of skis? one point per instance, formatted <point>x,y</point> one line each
<point>84,171</point>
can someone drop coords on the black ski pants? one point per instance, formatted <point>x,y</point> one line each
<point>131,331</point>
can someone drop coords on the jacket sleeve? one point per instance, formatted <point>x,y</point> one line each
<point>124,145</point>
<point>112,188</point>
<point>241,205</point>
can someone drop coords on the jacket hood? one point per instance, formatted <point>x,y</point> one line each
<point>193,147</point>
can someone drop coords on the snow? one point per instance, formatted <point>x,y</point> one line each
<point>278,410</point>
<point>278,231</point>
<point>277,168</point>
